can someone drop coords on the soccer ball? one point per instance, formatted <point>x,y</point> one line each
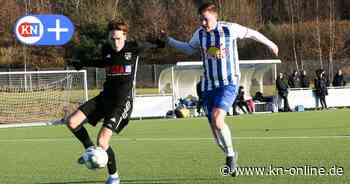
<point>95,158</point>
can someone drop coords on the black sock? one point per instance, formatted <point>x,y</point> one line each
<point>83,136</point>
<point>112,165</point>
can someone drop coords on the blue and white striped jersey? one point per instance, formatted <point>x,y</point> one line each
<point>219,54</point>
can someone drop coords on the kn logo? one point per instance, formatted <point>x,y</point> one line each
<point>44,29</point>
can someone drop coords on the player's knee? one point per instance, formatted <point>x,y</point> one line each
<point>219,123</point>
<point>104,138</point>
<point>70,124</point>
<point>75,120</point>
<point>218,119</point>
<point>216,122</point>
<point>73,123</point>
<point>103,143</point>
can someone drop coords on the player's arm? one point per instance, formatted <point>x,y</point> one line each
<point>82,62</point>
<point>98,63</point>
<point>189,48</point>
<point>244,32</point>
<point>134,48</point>
<point>102,61</point>
<point>79,64</point>
<point>142,46</point>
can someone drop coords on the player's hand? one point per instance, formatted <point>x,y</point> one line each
<point>156,41</point>
<point>275,49</point>
<point>163,35</point>
<point>160,43</point>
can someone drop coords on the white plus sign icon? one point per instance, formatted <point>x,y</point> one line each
<point>57,29</point>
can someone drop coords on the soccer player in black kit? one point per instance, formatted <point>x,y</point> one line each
<point>114,103</point>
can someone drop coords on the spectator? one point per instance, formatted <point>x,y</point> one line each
<point>321,87</point>
<point>304,82</point>
<point>240,102</point>
<point>282,88</point>
<point>259,97</point>
<point>294,80</point>
<point>338,80</point>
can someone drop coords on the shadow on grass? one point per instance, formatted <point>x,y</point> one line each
<point>141,181</point>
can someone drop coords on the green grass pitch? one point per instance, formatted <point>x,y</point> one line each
<point>177,151</point>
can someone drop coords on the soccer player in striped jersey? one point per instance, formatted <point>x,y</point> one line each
<point>217,43</point>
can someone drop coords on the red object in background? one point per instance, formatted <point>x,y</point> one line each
<point>251,105</point>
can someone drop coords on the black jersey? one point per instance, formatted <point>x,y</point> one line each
<point>120,67</point>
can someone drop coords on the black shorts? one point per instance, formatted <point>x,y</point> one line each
<point>115,112</point>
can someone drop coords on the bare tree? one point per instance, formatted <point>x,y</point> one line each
<point>331,36</point>
<point>318,33</point>
<point>291,10</point>
<point>300,25</point>
<point>220,4</point>
<point>260,12</point>
<point>116,3</point>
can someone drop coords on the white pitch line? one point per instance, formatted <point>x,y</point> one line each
<point>177,139</point>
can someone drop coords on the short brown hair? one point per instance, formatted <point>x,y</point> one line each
<point>118,25</point>
<point>211,7</point>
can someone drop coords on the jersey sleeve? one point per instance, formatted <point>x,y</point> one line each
<point>142,46</point>
<point>242,32</point>
<point>100,62</point>
<point>194,42</point>
<point>186,47</point>
<point>239,31</point>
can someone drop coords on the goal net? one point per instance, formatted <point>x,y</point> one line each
<point>40,96</point>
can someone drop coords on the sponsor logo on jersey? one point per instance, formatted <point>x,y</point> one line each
<point>120,70</point>
<point>128,55</point>
<point>128,68</point>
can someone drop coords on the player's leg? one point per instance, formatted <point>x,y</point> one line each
<point>75,125</point>
<point>103,140</point>
<point>217,139</point>
<point>114,123</point>
<point>223,99</point>
<point>90,111</point>
<point>224,135</point>
<point>207,106</point>
<point>222,130</point>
